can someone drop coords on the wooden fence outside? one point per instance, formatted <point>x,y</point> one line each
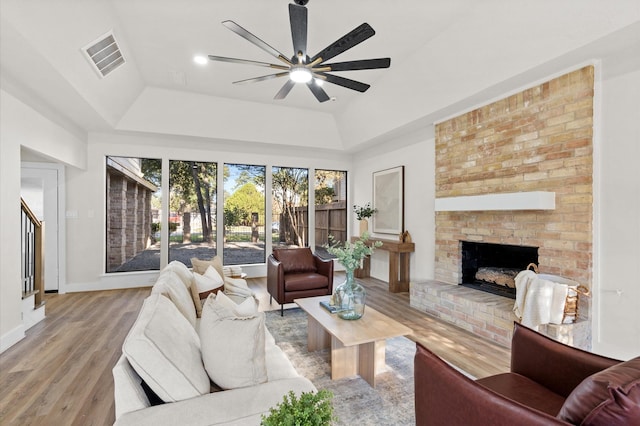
<point>330,219</point>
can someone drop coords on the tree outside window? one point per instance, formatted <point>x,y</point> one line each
<point>244,214</point>
<point>192,205</point>
<point>290,211</point>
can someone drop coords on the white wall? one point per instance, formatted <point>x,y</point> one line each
<point>86,193</point>
<point>617,286</point>
<point>20,125</point>
<point>416,152</point>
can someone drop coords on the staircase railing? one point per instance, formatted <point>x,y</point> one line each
<point>32,255</point>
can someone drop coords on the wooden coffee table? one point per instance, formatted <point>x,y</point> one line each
<point>357,347</point>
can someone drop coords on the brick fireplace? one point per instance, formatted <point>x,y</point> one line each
<point>539,139</point>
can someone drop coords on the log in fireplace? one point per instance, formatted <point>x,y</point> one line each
<point>492,267</point>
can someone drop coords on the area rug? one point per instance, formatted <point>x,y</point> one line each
<point>391,402</point>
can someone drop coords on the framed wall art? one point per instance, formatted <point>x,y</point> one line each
<point>388,200</point>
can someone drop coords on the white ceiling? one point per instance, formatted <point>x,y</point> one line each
<point>445,55</point>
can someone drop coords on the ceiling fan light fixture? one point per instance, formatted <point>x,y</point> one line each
<point>319,81</point>
<point>200,60</point>
<point>300,75</point>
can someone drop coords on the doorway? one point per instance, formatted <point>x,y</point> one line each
<point>41,187</point>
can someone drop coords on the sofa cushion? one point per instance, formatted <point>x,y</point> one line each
<point>611,396</point>
<point>170,285</point>
<point>248,307</point>
<point>164,349</point>
<point>129,394</point>
<point>186,276</point>
<point>296,260</point>
<point>188,280</point>
<point>233,348</point>
<point>200,266</point>
<point>235,407</point>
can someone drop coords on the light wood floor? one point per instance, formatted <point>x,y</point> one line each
<point>60,374</point>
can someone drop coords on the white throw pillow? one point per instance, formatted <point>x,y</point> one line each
<point>170,285</point>
<point>164,349</point>
<point>233,348</point>
<point>237,289</point>
<point>246,308</point>
<point>212,273</point>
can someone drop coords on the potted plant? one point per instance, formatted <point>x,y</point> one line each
<point>312,409</point>
<point>362,214</point>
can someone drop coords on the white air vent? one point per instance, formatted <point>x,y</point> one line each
<point>104,54</point>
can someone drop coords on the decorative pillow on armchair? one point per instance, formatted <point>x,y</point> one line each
<point>296,260</point>
<point>233,347</point>
<point>608,397</point>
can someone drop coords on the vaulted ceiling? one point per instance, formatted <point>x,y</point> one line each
<point>446,56</point>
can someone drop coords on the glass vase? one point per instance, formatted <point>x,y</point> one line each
<point>349,298</point>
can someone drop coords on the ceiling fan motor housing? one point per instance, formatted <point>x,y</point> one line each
<point>302,2</point>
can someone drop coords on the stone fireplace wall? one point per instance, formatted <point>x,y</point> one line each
<point>537,140</point>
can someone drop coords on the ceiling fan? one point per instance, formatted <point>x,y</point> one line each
<point>304,69</point>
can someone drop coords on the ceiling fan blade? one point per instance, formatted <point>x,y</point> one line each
<point>366,64</point>
<point>247,62</point>
<point>345,82</point>
<point>317,91</point>
<point>255,40</point>
<point>298,21</point>
<point>263,78</point>
<point>284,91</point>
<point>346,42</point>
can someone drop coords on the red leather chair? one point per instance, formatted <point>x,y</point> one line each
<point>296,273</point>
<point>549,384</point>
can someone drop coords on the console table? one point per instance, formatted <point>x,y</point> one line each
<point>399,274</point>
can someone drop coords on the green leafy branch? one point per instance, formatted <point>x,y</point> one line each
<point>311,409</point>
<point>363,212</point>
<point>351,254</point>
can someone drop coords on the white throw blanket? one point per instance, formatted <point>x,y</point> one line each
<point>538,301</point>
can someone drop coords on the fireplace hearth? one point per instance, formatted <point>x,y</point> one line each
<point>492,267</point>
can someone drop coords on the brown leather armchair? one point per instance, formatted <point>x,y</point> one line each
<point>296,273</point>
<point>549,384</point>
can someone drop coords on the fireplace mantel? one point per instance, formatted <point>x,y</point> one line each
<point>532,200</point>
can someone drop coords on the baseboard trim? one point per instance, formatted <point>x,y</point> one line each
<point>11,338</point>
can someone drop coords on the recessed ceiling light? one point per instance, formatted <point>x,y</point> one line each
<point>200,60</point>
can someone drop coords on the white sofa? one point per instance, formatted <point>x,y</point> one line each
<point>163,346</point>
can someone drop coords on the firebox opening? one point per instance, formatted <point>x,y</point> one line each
<point>492,267</point>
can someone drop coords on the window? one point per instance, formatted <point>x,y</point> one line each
<point>331,208</point>
<point>133,214</point>
<point>244,214</point>
<point>192,210</point>
<point>290,207</point>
